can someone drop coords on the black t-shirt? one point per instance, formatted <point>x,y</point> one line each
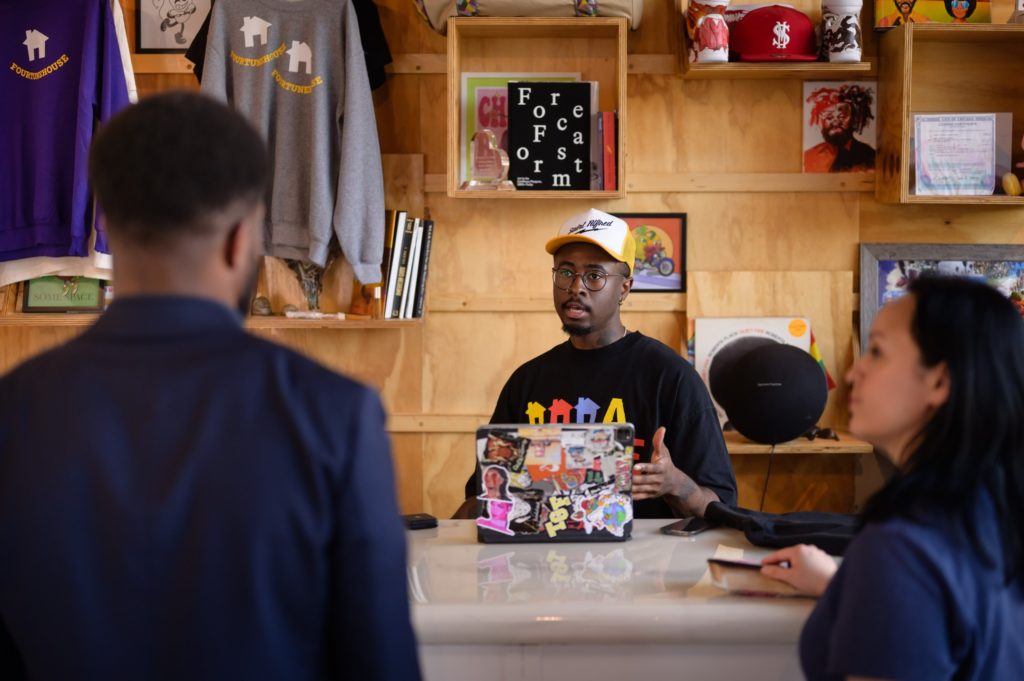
<point>635,380</point>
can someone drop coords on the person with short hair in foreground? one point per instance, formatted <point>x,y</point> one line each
<point>178,498</point>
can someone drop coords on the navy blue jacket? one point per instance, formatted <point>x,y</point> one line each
<point>182,500</point>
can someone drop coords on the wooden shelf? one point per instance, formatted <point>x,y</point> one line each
<point>749,183</point>
<point>942,68</point>
<point>716,183</point>
<point>994,200</point>
<point>73,319</point>
<point>285,324</point>
<point>636,302</point>
<point>846,444</point>
<point>734,442</point>
<point>437,63</point>
<point>593,46</point>
<point>775,70</point>
<point>49,319</point>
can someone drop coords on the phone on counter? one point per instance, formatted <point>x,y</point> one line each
<point>687,527</point>
<point>419,521</point>
<point>744,577</point>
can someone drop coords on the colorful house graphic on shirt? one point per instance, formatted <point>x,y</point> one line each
<point>587,411</point>
<point>36,44</point>
<point>254,27</point>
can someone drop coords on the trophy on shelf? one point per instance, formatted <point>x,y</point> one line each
<point>489,167</point>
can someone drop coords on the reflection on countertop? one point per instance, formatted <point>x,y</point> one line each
<point>652,585</point>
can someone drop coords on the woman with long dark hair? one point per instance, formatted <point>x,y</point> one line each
<point>932,587</point>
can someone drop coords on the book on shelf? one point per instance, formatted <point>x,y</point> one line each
<point>403,225</point>
<point>596,154</point>
<point>609,130</point>
<point>484,104</point>
<point>412,270</point>
<point>549,135</point>
<point>421,277</point>
<point>403,269</point>
<point>390,220</point>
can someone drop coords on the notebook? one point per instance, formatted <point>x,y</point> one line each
<point>554,482</point>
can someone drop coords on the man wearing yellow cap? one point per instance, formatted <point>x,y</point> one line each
<point>605,374</point>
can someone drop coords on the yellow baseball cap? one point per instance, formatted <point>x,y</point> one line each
<point>607,232</point>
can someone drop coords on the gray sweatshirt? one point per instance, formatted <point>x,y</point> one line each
<point>295,69</point>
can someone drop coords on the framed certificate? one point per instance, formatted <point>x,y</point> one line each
<point>955,154</point>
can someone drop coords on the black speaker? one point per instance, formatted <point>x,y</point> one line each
<point>771,392</point>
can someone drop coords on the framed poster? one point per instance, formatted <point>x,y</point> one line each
<point>887,269</point>
<point>839,126</point>
<point>892,13</point>
<point>62,294</point>
<point>660,250</point>
<point>163,26</point>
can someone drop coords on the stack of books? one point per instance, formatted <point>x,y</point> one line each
<point>404,268</point>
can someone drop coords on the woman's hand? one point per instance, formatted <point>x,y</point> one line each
<point>809,568</point>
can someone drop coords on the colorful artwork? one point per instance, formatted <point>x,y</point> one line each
<point>892,13</point>
<point>610,512</point>
<point>886,271</point>
<point>495,516</point>
<point>839,126</point>
<point>660,250</point>
<point>573,480</point>
<point>1006,276</point>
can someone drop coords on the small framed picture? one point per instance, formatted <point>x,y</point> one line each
<point>63,294</point>
<point>839,126</point>
<point>163,26</point>
<point>660,250</point>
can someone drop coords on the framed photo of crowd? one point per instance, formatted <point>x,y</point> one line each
<point>887,269</point>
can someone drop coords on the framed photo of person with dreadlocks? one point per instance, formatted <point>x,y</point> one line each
<point>839,126</point>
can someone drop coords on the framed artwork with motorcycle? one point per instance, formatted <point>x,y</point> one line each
<point>660,250</point>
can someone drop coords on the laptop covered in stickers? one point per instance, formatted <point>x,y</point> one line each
<point>554,482</point>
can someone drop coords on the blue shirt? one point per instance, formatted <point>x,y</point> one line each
<point>182,500</point>
<point>913,599</point>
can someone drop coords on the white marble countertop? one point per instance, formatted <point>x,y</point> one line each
<point>651,589</point>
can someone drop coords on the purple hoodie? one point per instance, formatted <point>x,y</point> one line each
<point>62,74</point>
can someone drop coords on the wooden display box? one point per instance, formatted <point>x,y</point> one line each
<point>941,68</point>
<point>595,47</point>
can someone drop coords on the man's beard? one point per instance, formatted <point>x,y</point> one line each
<point>837,138</point>
<point>577,330</point>
<point>245,297</point>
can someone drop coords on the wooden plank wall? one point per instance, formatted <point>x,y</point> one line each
<point>762,240</point>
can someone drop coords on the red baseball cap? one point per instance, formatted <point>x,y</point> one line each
<point>773,33</point>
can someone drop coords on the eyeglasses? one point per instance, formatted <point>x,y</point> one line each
<point>594,280</point>
<point>962,4</point>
